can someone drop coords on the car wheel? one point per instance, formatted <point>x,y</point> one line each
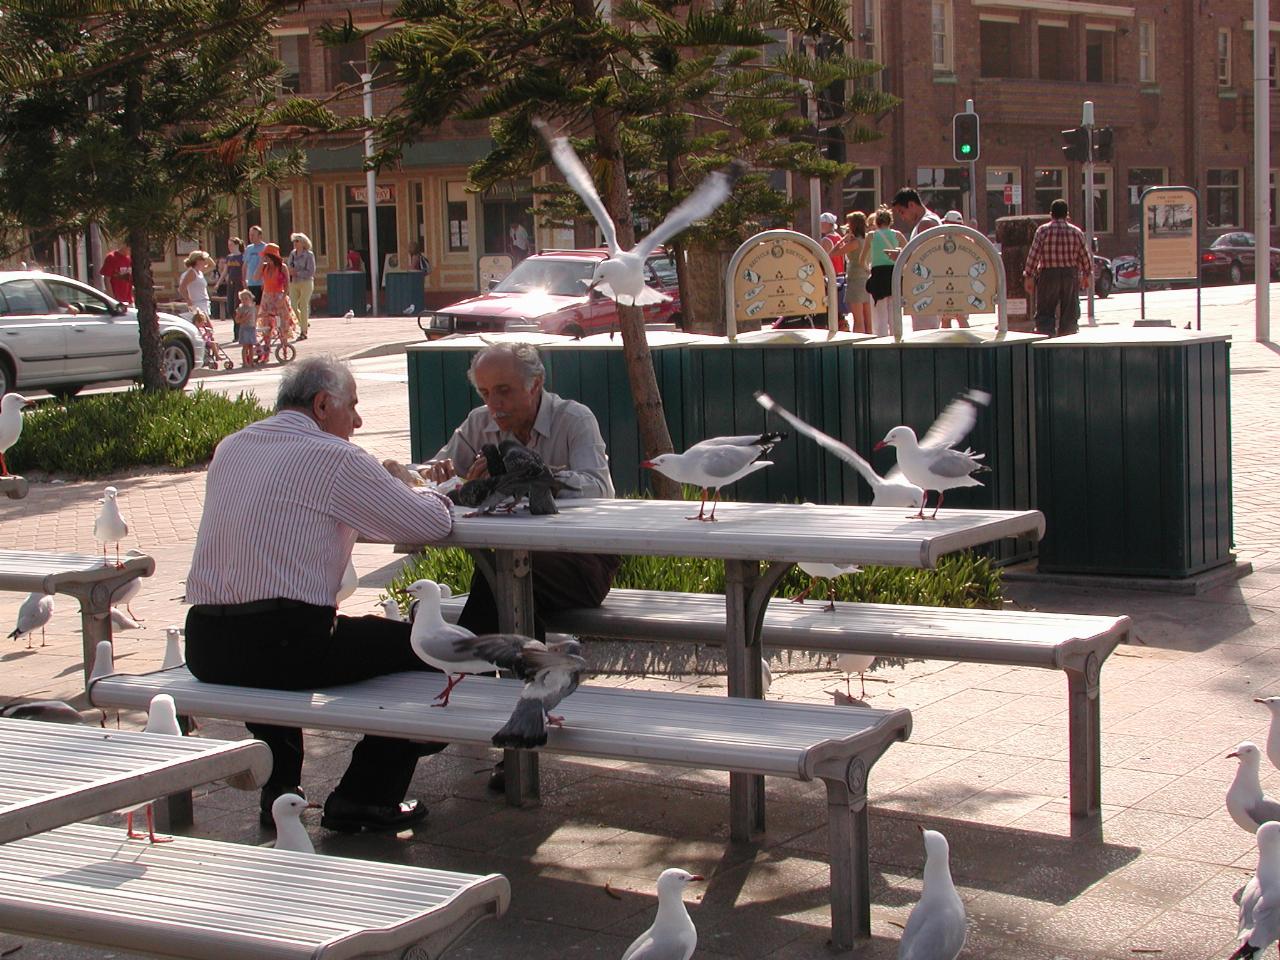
<point>1235,273</point>
<point>175,363</point>
<point>1103,286</point>
<point>6,376</point>
<point>65,391</point>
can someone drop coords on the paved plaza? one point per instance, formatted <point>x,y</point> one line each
<point>986,763</point>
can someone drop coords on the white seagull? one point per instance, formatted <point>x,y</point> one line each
<point>11,406</point>
<point>550,673</point>
<point>859,663</point>
<point>673,935</point>
<point>1259,918</point>
<point>122,621</point>
<point>1273,734</point>
<point>436,642</point>
<point>125,593</point>
<point>885,491</point>
<point>34,613</point>
<point>110,526</point>
<point>1248,805</point>
<point>172,648</point>
<point>621,276</point>
<point>716,463</point>
<point>162,718</point>
<point>286,811</point>
<point>937,927</point>
<point>931,463</point>
<point>349,316</point>
<point>410,310</point>
<point>827,572</point>
<point>391,610</point>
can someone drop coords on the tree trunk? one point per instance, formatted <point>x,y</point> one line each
<point>144,287</point>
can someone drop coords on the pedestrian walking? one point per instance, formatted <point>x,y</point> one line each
<point>1058,263</point>
<point>302,280</point>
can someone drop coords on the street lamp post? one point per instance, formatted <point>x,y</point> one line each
<point>1261,170</point>
<point>1087,122</point>
<point>371,193</point>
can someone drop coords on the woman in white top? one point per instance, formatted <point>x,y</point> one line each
<point>192,285</point>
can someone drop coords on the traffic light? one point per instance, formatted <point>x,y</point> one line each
<point>964,137</point>
<point>1102,144</point>
<point>1076,144</point>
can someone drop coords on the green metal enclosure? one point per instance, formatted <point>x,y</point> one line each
<point>405,289</point>
<point>1134,452</point>
<point>346,291</point>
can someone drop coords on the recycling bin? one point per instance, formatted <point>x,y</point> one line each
<point>405,290</point>
<point>346,290</point>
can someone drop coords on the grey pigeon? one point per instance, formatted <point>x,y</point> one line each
<point>1248,805</point>
<point>473,492</point>
<point>673,935</point>
<point>550,673</point>
<point>1259,919</point>
<point>525,476</point>
<point>933,463</point>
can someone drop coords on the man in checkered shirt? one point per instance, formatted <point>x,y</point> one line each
<point>1058,264</point>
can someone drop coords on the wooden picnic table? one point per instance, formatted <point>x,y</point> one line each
<point>54,774</point>
<point>758,542</point>
<point>83,576</point>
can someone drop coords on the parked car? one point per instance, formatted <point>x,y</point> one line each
<point>549,290</point>
<point>1230,259</point>
<point>1127,271</point>
<point>1104,278</point>
<point>60,335</point>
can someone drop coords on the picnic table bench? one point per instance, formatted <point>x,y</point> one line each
<point>83,576</point>
<point>797,741</point>
<point>1077,645</point>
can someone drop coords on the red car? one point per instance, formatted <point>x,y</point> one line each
<point>549,290</point>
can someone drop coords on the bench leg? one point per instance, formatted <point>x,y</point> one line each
<point>850,867</point>
<point>1085,728</point>
<point>512,577</point>
<point>174,812</point>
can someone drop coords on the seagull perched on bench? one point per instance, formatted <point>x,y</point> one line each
<point>110,526</point>
<point>932,463</point>
<point>162,718</point>
<point>716,463</point>
<point>621,276</point>
<point>286,811</point>
<point>436,642</point>
<point>550,673</point>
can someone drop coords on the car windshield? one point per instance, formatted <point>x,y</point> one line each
<point>563,278</point>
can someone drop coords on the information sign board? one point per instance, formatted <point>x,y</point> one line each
<point>1170,233</point>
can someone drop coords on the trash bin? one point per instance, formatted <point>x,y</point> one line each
<point>1014,234</point>
<point>405,289</point>
<point>347,292</point>
<point>1133,436</point>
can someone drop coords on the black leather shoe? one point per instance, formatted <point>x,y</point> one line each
<point>268,797</point>
<point>498,779</point>
<point>347,816</point>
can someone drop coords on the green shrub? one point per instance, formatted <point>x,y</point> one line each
<point>100,434</point>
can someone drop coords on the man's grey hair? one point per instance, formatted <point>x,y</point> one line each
<point>313,375</point>
<point>523,355</point>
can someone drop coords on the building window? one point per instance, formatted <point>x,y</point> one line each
<point>1272,56</point>
<point>999,43</point>
<point>418,226</point>
<point>1004,194</point>
<point>320,224</point>
<point>940,25</point>
<point>289,50</point>
<point>1054,52</point>
<point>1138,180</point>
<point>862,191</point>
<point>1224,57</point>
<point>1146,51</point>
<point>941,188</point>
<point>458,218</point>
<point>1051,183</point>
<point>1101,199</point>
<point>284,215</point>
<point>1223,206</point>
<point>1099,55</point>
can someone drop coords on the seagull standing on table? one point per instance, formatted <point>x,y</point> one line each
<point>110,526</point>
<point>1248,805</point>
<point>162,718</point>
<point>673,935</point>
<point>621,276</point>
<point>550,673</point>
<point>34,613</point>
<point>437,643</point>
<point>286,811</point>
<point>931,463</point>
<point>1259,920</point>
<point>936,928</point>
<point>11,406</point>
<point>716,463</point>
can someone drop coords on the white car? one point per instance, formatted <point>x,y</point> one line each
<point>60,334</point>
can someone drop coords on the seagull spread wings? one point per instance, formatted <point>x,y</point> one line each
<point>955,422</point>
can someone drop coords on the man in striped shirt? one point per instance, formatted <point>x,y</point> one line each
<point>284,502</point>
<point>1058,263</point>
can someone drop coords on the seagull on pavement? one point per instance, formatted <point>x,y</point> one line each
<point>286,811</point>
<point>126,592</point>
<point>410,310</point>
<point>936,928</point>
<point>1259,918</point>
<point>436,642</point>
<point>1248,805</point>
<point>349,316</point>
<point>122,621</point>
<point>11,406</point>
<point>851,663</point>
<point>673,935</point>
<point>162,718</point>
<point>621,276</point>
<point>110,526</point>
<point>885,491</point>
<point>1273,735</point>
<point>34,613</point>
<point>716,463</point>
<point>550,673</point>
<point>931,463</point>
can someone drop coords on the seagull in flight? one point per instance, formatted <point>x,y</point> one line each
<point>621,276</point>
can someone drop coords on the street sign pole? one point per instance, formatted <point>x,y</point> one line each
<point>1087,123</point>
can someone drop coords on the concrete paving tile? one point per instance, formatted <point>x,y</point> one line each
<point>1092,922</point>
<point>1210,841</point>
<point>1216,896</point>
<point>1189,796</point>
<point>1147,829</point>
<point>1182,934</point>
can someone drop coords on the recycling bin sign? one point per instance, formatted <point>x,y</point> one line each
<point>948,269</point>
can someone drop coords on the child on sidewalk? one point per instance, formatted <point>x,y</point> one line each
<point>247,327</point>
<point>200,320</point>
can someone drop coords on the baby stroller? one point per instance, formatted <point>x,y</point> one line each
<point>213,353</point>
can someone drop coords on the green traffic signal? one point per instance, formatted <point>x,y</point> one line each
<point>964,136</point>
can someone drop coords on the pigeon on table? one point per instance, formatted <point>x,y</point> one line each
<point>673,935</point>
<point>1259,918</point>
<point>550,673</point>
<point>932,463</point>
<point>34,613</point>
<point>110,525</point>
<point>716,463</point>
<point>1248,805</point>
<point>894,491</point>
<point>936,928</point>
<point>11,407</point>
<point>524,476</point>
<point>162,718</point>
<point>286,811</point>
<point>621,276</point>
<point>436,642</point>
<point>1273,734</point>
